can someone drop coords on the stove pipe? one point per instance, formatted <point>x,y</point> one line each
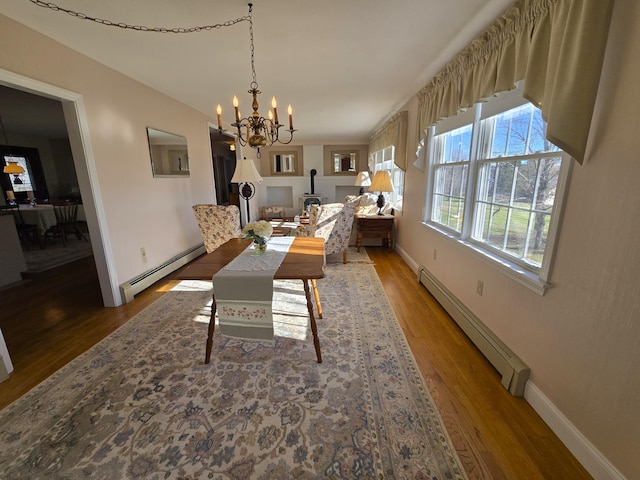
<point>313,173</point>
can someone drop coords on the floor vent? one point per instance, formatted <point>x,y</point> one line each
<point>513,370</point>
<point>134,286</point>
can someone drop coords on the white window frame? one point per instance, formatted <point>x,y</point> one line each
<point>384,160</point>
<point>537,279</point>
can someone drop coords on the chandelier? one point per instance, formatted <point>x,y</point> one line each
<point>256,130</point>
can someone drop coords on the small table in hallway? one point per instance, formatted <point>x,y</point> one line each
<point>376,226</point>
<point>304,261</point>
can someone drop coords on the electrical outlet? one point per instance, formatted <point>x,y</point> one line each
<point>435,254</point>
<point>143,254</point>
<point>480,287</point>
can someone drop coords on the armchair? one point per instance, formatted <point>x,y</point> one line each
<point>218,223</point>
<point>333,222</point>
<point>272,211</point>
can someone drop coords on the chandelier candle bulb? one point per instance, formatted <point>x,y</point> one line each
<point>290,111</point>
<point>219,112</point>
<point>274,105</point>
<point>235,106</point>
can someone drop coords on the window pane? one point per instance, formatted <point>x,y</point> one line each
<point>517,132</point>
<point>515,202</point>
<point>454,146</point>
<point>449,196</point>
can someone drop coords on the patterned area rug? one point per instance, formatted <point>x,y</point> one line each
<point>55,254</point>
<point>141,403</point>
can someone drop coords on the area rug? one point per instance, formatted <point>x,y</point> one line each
<point>353,256</point>
<point>56,254</point>
<point>142,404</point>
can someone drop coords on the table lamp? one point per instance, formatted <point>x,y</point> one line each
<point>362,180</point>
<point>381,183</point>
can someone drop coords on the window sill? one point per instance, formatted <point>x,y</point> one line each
<point>512,270</point>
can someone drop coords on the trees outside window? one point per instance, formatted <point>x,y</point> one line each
<point>494,184</point>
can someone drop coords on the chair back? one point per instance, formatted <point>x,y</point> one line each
<point>218,223</point>
<point>66,213</point>
<point>333,222</point>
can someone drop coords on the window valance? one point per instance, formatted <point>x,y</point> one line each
<point>555,46</point>
<point>393,132</point>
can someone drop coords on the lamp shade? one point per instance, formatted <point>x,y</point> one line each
<point>13,168</point>
<point>363,179</point>
<point>246,172</point>
<point>381,182</point>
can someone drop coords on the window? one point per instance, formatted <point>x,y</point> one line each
<point>23,182</point>
<point>383,160</point>
<point>495,184</point>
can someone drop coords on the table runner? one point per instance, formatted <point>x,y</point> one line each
<point>243,291</point>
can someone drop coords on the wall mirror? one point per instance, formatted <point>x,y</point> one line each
<point>345,161</point>
<point>284,163</point>
<point>169,155</point>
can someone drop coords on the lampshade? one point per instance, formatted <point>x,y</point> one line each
<point>381,182</point>
<point>13,168</point>
<point>246,172</point>
<point>363,179</point>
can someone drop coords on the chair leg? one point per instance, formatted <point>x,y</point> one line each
<point>344,257</point>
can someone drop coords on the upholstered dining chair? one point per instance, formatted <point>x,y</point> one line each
<point>333,222</point>
<point>218,223</point>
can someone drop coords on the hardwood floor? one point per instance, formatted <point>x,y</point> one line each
<point>55,317</point>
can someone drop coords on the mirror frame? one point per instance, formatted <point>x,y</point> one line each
<point>341,153</point>
<point>168,153</point>
<point>272,163</point>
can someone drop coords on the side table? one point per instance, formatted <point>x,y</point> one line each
<point>376,226</point>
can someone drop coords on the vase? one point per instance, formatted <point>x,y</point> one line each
<point>260,247</point>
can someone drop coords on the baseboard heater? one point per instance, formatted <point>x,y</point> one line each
<point>513,370</point>
<point>136,285</point>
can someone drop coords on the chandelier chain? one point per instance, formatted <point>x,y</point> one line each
<point>143,28</point>
<point>254,84</point>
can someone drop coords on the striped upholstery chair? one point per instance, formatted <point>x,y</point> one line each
<point>218,223</point>
<point>331,221</point>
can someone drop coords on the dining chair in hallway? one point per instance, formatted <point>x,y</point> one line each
<point>27,233</point>
<point>218,223</point>
<point>66,223</point>
<point>333,222</point>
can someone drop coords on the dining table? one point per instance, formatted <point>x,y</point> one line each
<point>43,216</point>
<point>304,261</point>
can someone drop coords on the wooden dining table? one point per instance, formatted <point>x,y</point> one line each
<point>305,261</point>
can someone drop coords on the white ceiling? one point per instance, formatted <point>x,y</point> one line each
<point>346,66</point>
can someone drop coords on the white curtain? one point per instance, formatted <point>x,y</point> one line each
<point>555,46</point>
<point>393,132</point>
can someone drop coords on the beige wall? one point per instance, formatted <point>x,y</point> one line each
<point>582,339</point>
<point>138,209</point>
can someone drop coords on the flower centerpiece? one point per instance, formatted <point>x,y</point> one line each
<point>260,232</point>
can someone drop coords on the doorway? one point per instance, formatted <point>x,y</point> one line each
<point>74,126</point>
<point>224,164</point>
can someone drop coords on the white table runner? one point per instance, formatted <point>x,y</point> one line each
<point>243,291</point>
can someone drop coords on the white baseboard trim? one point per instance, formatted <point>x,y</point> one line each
<point>585,452</point>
